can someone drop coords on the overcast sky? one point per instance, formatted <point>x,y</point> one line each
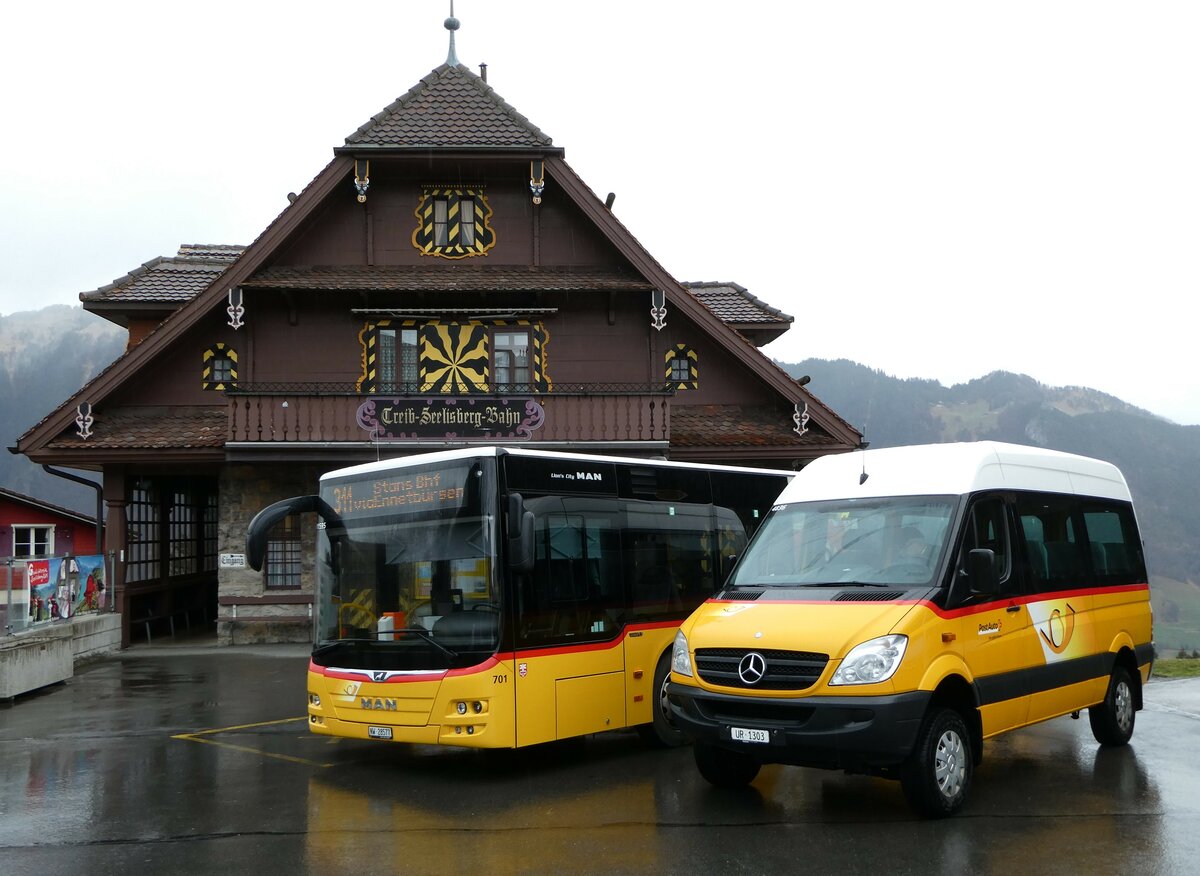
<point>934,189</point>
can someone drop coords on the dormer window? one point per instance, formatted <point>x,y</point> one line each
<point>452,222</point>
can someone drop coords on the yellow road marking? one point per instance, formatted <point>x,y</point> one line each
<point>197,737</point>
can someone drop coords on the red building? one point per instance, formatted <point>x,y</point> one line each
<point>31,529</point>
<point>446,261</point>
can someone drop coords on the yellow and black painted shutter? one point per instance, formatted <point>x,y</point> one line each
<point>456,242</point>
<point>686,357</point>
<point>453,358</point>
<point>213,378</point>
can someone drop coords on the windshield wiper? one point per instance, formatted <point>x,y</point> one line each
<point>864,584</point>
<point>427,636</point>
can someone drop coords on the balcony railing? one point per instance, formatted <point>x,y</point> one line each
<point>326,412</point>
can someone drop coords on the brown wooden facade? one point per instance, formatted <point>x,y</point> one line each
<point>446,279</point>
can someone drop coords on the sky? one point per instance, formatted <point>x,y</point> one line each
<point>933,189</point>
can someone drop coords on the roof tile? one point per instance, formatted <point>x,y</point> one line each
<point>733,304</point>
<point>169,279</point>
<point>451,107</point>
<point>440,278</point>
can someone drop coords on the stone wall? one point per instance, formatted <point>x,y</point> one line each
<point>248,612</point>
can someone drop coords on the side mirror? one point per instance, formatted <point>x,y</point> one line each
<point>522,549</point>
<point>982,574</point>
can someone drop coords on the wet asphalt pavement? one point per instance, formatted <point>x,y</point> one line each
<point>192,759</point>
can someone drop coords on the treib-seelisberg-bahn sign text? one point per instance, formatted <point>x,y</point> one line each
<point>484,419</point>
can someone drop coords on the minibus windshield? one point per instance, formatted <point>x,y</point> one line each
<point>893,541</point>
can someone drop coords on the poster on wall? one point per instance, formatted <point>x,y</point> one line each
<point>90,592</point>
<point>43,589</point>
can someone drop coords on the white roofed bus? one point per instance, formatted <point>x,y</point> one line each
<point>900,606</point>
<point>501,597</point>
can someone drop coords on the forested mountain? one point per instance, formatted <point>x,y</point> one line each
<point>45,357</point>
<point>1160,459</point>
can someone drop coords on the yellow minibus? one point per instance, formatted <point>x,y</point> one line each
<point>899,606</point>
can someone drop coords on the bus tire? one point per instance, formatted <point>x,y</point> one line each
<point>725,768</point>
<point>660,732</point>
<point>1112,719</point>
<point>937,775</point>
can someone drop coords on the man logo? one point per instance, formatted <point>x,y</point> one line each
<point>379,676</point>
<point>752,668</point>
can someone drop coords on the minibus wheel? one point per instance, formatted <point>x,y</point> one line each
<point>1112,719</point>
<point>937,775</point>
<point>661,732</point>
<point>723,767</point>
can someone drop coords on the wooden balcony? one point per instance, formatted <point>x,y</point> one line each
<point>280,414</point>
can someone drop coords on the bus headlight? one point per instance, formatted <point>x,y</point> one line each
<point>680,661</point>
<point>871,662</point>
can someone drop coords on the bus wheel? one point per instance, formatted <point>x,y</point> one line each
<point>660,732</point>
<point>725,768</point>
<point>1112,720</point>
<point>937,774</point>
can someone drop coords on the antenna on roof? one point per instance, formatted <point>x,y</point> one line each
<point>451,24</point>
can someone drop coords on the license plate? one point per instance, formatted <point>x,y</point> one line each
<point>379,732</point>
<point>745,734</point>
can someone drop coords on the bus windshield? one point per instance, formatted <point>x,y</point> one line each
<point>894,542</point>
<point>407,574</point>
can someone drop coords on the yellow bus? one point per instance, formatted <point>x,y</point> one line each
<point>501,597</point>
<point>900,606</point>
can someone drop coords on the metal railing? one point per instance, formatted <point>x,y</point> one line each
<point>45,590</point>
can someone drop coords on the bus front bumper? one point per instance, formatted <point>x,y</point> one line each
<point>858,734</point>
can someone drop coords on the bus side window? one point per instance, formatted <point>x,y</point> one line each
<point>1114,543</point>
<point>1058,554</point>
<point>987,527</point>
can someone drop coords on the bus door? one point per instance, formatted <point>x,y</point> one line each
<point>570,669</point>
<point>998,638</point>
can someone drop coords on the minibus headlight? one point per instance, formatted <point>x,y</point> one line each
<point>680,661</point>
<point>871,662</point>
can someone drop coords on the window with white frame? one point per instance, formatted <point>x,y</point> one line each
<point>510,361</point>
<point>399,369</point>
<point>33,541</point>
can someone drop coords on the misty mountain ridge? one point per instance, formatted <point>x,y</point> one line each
<point>1160,459</point>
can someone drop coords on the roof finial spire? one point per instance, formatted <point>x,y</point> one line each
<point>451,25</point>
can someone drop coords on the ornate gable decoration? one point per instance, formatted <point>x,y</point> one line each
<point>452,222</point>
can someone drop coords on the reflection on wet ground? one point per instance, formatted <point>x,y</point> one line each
<point>197,760</point>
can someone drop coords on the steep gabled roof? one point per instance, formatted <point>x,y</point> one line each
<point>451,108</point>
<point>163,283</point>
<point>736,307</point>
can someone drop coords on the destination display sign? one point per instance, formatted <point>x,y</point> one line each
<point>461,418</point>
<point>401,492</point>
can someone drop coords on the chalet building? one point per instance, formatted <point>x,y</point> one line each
<point>446,279</point>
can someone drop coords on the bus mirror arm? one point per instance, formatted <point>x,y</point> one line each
<point>260,527</point>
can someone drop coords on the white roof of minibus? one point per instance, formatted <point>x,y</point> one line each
<point>953,469</point>
<point>437,456</point>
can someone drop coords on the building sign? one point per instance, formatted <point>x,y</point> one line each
<point>233,561</point>
<point>462,419</point>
